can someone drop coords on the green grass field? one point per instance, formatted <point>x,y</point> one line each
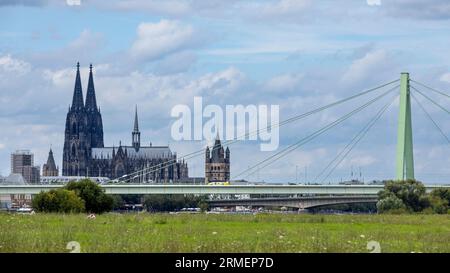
<point>224,233</point>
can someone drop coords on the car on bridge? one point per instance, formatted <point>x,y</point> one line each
<point>227,183</point>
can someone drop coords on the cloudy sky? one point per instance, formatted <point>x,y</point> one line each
<point>298,54</point>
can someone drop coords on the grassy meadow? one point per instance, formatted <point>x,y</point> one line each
<point>224,233</point>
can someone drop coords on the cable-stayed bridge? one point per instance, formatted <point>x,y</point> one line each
<point>404,88</point>
<point>278,189</point>
<point>298,196</point>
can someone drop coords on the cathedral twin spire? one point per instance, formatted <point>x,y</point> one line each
<point>91,106</point>
<point>77,101</point>
<point>84,128</point>
<point>91,102</point>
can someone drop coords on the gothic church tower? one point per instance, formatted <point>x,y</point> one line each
<point>217,163</point>
<point>84,129</point>
<point>94,118</point>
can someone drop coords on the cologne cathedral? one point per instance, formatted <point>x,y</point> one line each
<point>85,154</point>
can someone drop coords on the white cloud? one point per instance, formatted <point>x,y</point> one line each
<point>85,48</point>
<point>169,7</point>
<point>362,68</point>
<point>87,40</point>
<point>418,9</point>
<point>445,77</point>
<point>176,63</point>
<point>374,2</point>
<point>284,7</point>
<point>9,64</point>
<point>223,83</point>
<point>360,161</point>
<point>64,78</point>
<point>155,40</point>
<point>284,83</point>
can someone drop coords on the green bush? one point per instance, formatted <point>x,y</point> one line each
<point>118,201</point>
<point>174,202</point>
<point>95,199</point>
<point>60,200</point>
<point>439,205</point>
<point>391,203</point>
<point>410,196</point>
<point>440,200</point>
<point>411,192</point>
<point>81,196</point>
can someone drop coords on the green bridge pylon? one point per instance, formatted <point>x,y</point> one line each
<point>405,157</point>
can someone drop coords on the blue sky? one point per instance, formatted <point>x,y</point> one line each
<point>299,54</point>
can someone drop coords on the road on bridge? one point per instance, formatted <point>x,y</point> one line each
<point>216,189</point>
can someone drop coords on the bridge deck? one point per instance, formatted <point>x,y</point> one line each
<point>206,189</point>
<point>296,202</point>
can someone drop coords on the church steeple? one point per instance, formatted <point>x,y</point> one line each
<point>50,169</point>
<point>77,101</point>
<point>51,159</point>
<point>217,143</point>
<point>136,135</point>
<point>217,148</point>
<point>217,162</point>
<point>136,124</point>
<point>91,102</point>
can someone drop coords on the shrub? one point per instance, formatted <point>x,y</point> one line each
<point>440,200</point>
<point>411,196</point>
<point>60,200</point>
<point>96,201</point>
<point>439,205</point>
<point>174,202</point>
<point>391,203</point>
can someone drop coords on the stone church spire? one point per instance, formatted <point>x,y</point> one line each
<point>51,159</point>
<point>91,102</point>
<point>136,124</point>
<point>77,101</point>
<point>136,135</point>
<point>50,169</point>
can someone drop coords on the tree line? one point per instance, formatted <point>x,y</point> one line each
<point>88,196</point>
<point>163,203</point>
<point>75,197</point>
<point>410,196</point>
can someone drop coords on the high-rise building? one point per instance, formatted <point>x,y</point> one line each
<point>217,163</point>
<point>50,169</point>
<point>20,159</point>
<point>22,162</point>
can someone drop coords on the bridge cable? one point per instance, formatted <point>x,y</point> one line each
<point>432,101</point>
<point>355,141</point>
<point>432,89</point>
<point>310,137</point>
<point>160,166</point>
<point>304,140</point>
<point>229,142</point>
<point>431,118</point>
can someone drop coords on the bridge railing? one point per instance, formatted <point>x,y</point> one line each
<point>216,189</point>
